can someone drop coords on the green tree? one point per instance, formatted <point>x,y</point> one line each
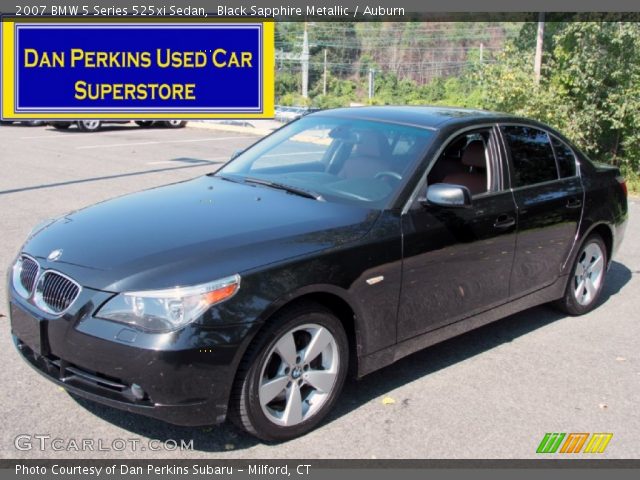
<point>590,86</point>
<point>596,71</point>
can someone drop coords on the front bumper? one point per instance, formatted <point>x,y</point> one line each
<point>186,376</point>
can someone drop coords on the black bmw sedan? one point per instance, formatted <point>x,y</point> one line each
<point>340,243</point>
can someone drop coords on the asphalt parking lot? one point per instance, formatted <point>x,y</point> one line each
<point>492,393</point>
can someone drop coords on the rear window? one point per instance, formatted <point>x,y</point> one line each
<point>531,154</point>
<point>566,158</point>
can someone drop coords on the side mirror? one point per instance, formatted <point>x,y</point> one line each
<point>236,154</point>
<point>447,195</point>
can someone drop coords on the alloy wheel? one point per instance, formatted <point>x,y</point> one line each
<point>299,374</point>
<point>588,274</point>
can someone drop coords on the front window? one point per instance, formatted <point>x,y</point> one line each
<point>466,161</point>
<point>333,159</point>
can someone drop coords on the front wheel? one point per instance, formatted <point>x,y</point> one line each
<point>89,125</point>
<point>587,278</point>
<point>292,376</point>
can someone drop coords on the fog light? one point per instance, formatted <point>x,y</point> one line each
<point>137,391</point>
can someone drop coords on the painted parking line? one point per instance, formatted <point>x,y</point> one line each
<point>118,133</point>
<point>203,161</point>
<point>162,142</point>
<point>39,136</point>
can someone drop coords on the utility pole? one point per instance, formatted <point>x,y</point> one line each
<point>539,40</point>
<point>371,85</point>
<point>324,78</point>
<point>304,58</point>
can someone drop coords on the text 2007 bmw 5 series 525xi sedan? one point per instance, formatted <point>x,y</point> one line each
<point>340,243</point>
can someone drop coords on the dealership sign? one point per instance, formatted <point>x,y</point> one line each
<point>131,70</point>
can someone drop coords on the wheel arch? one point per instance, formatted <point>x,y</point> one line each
<point>605,231</point>
<point>567,302</point>
<point>333,298</point>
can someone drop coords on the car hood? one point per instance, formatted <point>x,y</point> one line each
<point>192,232</point>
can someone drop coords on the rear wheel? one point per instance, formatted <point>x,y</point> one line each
<point>89,125</point>
<point>587,278</point>
<point>292,376</point>
<point>174,123</point>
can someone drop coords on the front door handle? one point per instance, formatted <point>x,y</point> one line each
<point>574,203</point>
<point>504,221</point>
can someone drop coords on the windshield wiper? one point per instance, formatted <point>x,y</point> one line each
<point>228,179</point>
<point>287,188</point>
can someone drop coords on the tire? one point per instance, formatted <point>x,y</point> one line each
<point>295,404</point>
<point>144,123</point>
<point>60,125</point>
<point>174,123</point>
<point>89,125</point>
<point>34,123</point>
<point>589,270</point>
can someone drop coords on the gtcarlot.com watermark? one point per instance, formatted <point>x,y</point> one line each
<point>43,442</point>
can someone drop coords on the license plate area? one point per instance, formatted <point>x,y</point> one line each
<point>30,330</point>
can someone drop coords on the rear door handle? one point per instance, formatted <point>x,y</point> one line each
<point>504,221</point>
<point>574,203</point>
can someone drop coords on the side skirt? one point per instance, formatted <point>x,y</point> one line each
<point>389,355</point>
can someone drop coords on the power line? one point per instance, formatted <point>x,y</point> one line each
<point>407,50</point>
<point>401,48</point>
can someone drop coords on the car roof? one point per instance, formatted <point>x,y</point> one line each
<point>432,117</point>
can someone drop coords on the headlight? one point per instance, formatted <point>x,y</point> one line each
<point>170,309</point>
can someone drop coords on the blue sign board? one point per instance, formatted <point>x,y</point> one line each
<point>159,70</point>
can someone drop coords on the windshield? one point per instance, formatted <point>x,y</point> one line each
<point>333,159</point>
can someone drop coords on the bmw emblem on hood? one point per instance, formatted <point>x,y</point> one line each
<point>55,255</point>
